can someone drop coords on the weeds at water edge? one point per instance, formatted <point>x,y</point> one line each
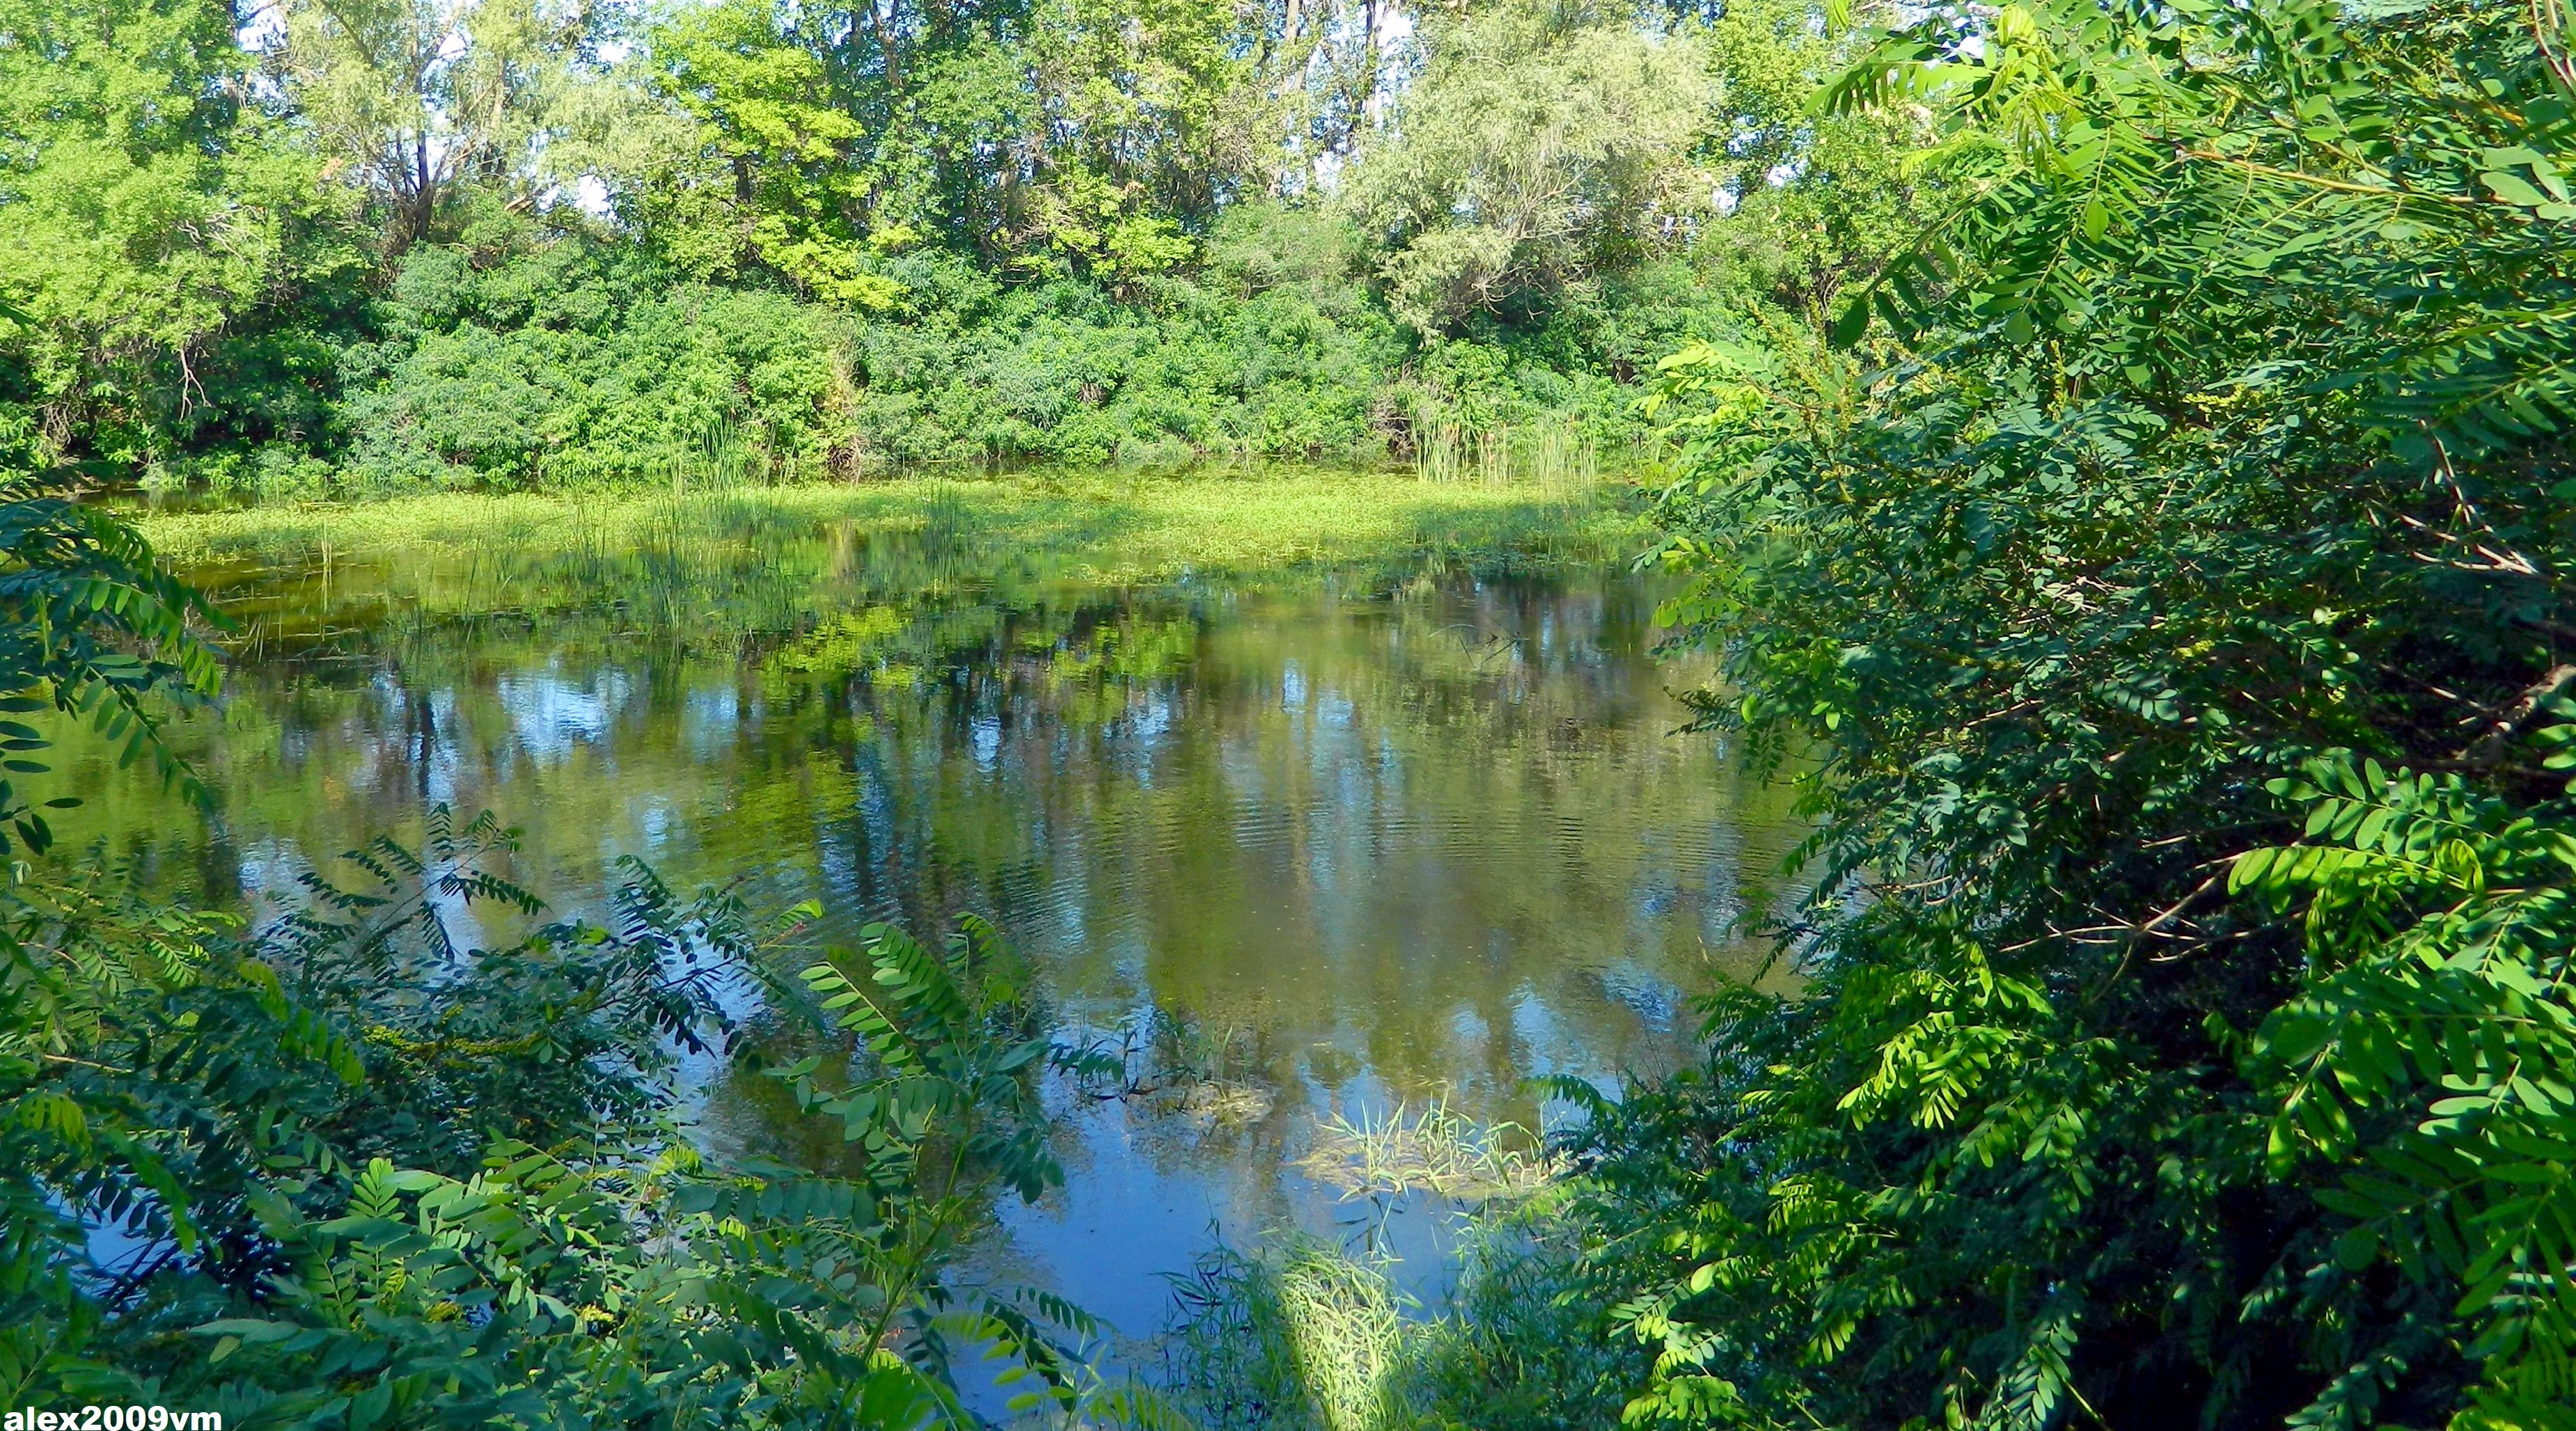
<point>1433,1149</point>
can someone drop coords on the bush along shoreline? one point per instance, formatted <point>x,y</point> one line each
<point>2166,559</point>
<point>575,245</point>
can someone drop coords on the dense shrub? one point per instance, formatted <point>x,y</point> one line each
<point>564,357</point>
<point>2169,599</point>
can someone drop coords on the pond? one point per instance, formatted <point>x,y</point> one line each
<point>1386,829</point>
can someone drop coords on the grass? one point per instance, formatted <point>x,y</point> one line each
<point>1122,526</point>
<point>1300,1336</point>
<point>1299,1339</point>
<point>1433,1149</point>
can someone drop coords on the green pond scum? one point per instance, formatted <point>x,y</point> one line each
<point>1103,527</point>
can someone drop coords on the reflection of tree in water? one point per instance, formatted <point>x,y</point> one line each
<point>1434,825</point>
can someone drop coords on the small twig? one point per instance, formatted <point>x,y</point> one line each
<point>2509,563</point>
<point>2205,942</point>
<point>2451,476</point>
<point>2489,748</point>
<point>2212,156</point>
<point>85,1063</point>
<point>2152,927</point>
<point>2178,906</point>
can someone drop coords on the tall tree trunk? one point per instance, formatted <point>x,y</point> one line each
<point>415,199</point>
<point>887,28</point>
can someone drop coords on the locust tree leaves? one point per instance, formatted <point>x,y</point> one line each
<point>2157,589</point>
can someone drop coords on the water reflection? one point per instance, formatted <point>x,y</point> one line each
<point>1411,835</point>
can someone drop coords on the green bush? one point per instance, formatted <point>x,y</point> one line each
<point>566,360</point>
<point>572,360</point>
<point>2163,581</point>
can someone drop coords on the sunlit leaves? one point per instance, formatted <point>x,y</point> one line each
<point>311,1164</point>
<point>954,1056</point>
<point>2161,602</point>
<point>90,626</point>
<point>2436,1049</point>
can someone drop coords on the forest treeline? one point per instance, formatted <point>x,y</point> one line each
<point>355,246</point>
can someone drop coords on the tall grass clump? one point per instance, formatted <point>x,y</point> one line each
<point>1434,1149</point>
<point>1305,1336</point>
<point>1297,1339</point>
<point>1439,455</point>
<point>1555,456</point>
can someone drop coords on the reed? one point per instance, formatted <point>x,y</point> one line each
<point>1560,457</point>
<point>1439,454</point>
<point>1299,1339</point>
<point>1554,457</point>
<point>1431,1149</point>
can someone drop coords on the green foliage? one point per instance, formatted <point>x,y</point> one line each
<point>1303,1336</point>
<point>1813,201</point>
<point>407,245</point>
<point>1036,136</point>
<point>571,1027</point>
<point>953,1049</point>
<point>347,1192</point>
<point>418,102</point>
<point>533,361</point>
<point>2209,454</point>
<point>2427,1060</point>
<point>535,364</point>
<point>158,230</point>
<point>774,176</point>
<point>1540,143</point>
<point>90,626</point>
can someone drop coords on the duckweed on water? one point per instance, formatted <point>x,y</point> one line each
<point>1124,526</point>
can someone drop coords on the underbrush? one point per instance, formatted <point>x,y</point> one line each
<point>532,359</point>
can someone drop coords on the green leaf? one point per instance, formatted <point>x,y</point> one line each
<point>2513,189</point>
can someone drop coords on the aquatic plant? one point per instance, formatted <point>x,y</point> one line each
<point>1299,1339</point>
<point>1297,1333</point>
<point>1431,1149</point>
<point>1114,528</point>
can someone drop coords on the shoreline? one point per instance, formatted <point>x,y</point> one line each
<point>1138,524</point>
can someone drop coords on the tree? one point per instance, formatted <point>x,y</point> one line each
<point>777,170</point>
<point>416,99</point>
<point>1137,132</point>
<point>1325,66</point>
<point>1538,142</point>
<point>150,209</point>
<point>1807,202</point>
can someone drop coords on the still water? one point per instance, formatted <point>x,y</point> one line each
<point>1414,830</point>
